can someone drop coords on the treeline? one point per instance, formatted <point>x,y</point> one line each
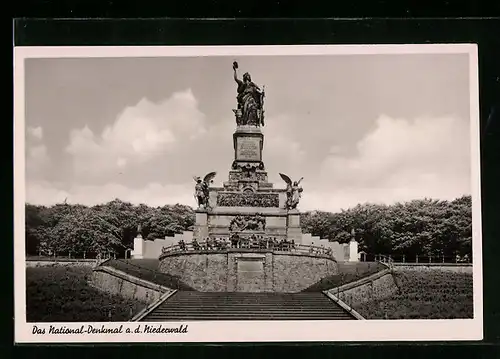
<point>420,227</point>
<point>77,230</point>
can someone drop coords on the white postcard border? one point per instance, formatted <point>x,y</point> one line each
<point>242,331</point>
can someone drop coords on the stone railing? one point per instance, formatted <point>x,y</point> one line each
<point>386,260</point>
<point>222,245</point>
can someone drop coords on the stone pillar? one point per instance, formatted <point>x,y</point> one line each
<point>353,251</point>
<point>345,249</point>
<point>248,143</point>
<point>307,239</point>
<point>294,231</point>
<point>138,251</point>
<point>187,236</point>
<point>201,225</point>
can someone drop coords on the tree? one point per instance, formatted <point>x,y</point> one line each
<point>418,227</point>
<point>423,227</point>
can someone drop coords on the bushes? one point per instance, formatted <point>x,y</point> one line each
<point>425,295</point>
<point>61,294</point>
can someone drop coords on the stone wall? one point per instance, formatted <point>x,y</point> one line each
<point>380,285</point>
<point>448,267</point>
<point>152,249</point>
<point>116,282</point>
<point>203,272</point>
<point>295,273</point>
<point>245,271</point>
<point>43,263</point>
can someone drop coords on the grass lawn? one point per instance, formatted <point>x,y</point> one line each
<point>147,269</point>
<point>148,263</point>
<point>61,294</point>
<point>425,295</point>
<point>348,272</point>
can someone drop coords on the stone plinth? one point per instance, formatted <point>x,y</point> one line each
<point>201,226</point>
<point>247,271</point>
<point>248,204</point>
<point>248,143</point>
<point>353,251</point>
<point>138,251</point>
<point>248,193</point>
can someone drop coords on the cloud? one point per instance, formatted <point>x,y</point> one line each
<point>153,194</point>
<point>140,133</point>
<point>399,160</point>
<point>283,151</point>
<point>37,158</point>
<point>35,132</point>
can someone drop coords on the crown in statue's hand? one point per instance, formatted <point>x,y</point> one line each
<point>235,65</point>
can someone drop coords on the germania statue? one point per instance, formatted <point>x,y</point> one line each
<point>250,100</point>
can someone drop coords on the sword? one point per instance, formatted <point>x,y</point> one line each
<point>262,104</point>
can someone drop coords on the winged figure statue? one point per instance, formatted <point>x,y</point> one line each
<point>293,191</point>
<point>201,189</point>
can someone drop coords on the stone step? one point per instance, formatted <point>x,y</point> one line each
<point>236,313</point>
<point>239,318</point>
<point>248,301</point>
<point>253,295</point>
<point>243,306</point>
<point>240,307</point>
<point>186,306</point>
<point>248,310</point>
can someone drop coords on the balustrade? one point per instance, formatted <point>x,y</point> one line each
<point>247,244</point>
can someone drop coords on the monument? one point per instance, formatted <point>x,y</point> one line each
<point>247,205</point>
<point>246,212</point>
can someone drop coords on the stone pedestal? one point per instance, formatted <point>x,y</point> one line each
<point>248,143</point>
<point>247,197</point>
<point>353,251</point>
<point>294,231</point>
<point>201,225</point>
<point>138,251</point>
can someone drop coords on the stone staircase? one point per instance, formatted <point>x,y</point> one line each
<point>197,306</point>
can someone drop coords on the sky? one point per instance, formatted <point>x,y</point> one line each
<point>358,128</point>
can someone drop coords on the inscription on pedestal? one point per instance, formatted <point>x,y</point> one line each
<point>248,149</point>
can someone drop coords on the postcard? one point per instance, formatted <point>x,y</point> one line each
<point>247,193</point>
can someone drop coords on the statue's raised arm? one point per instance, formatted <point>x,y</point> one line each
<point>235,73</point>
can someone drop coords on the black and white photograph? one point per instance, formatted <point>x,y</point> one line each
<point>263,193</point>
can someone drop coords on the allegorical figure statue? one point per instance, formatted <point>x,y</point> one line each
<point>250,100</point>
<point>201,189</point>
<point>293,192</point>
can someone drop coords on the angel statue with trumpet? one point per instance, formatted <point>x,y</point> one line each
<point>201,189</point>
<point>293,191</point>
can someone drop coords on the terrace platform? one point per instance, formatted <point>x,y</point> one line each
<point>247,269</point>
